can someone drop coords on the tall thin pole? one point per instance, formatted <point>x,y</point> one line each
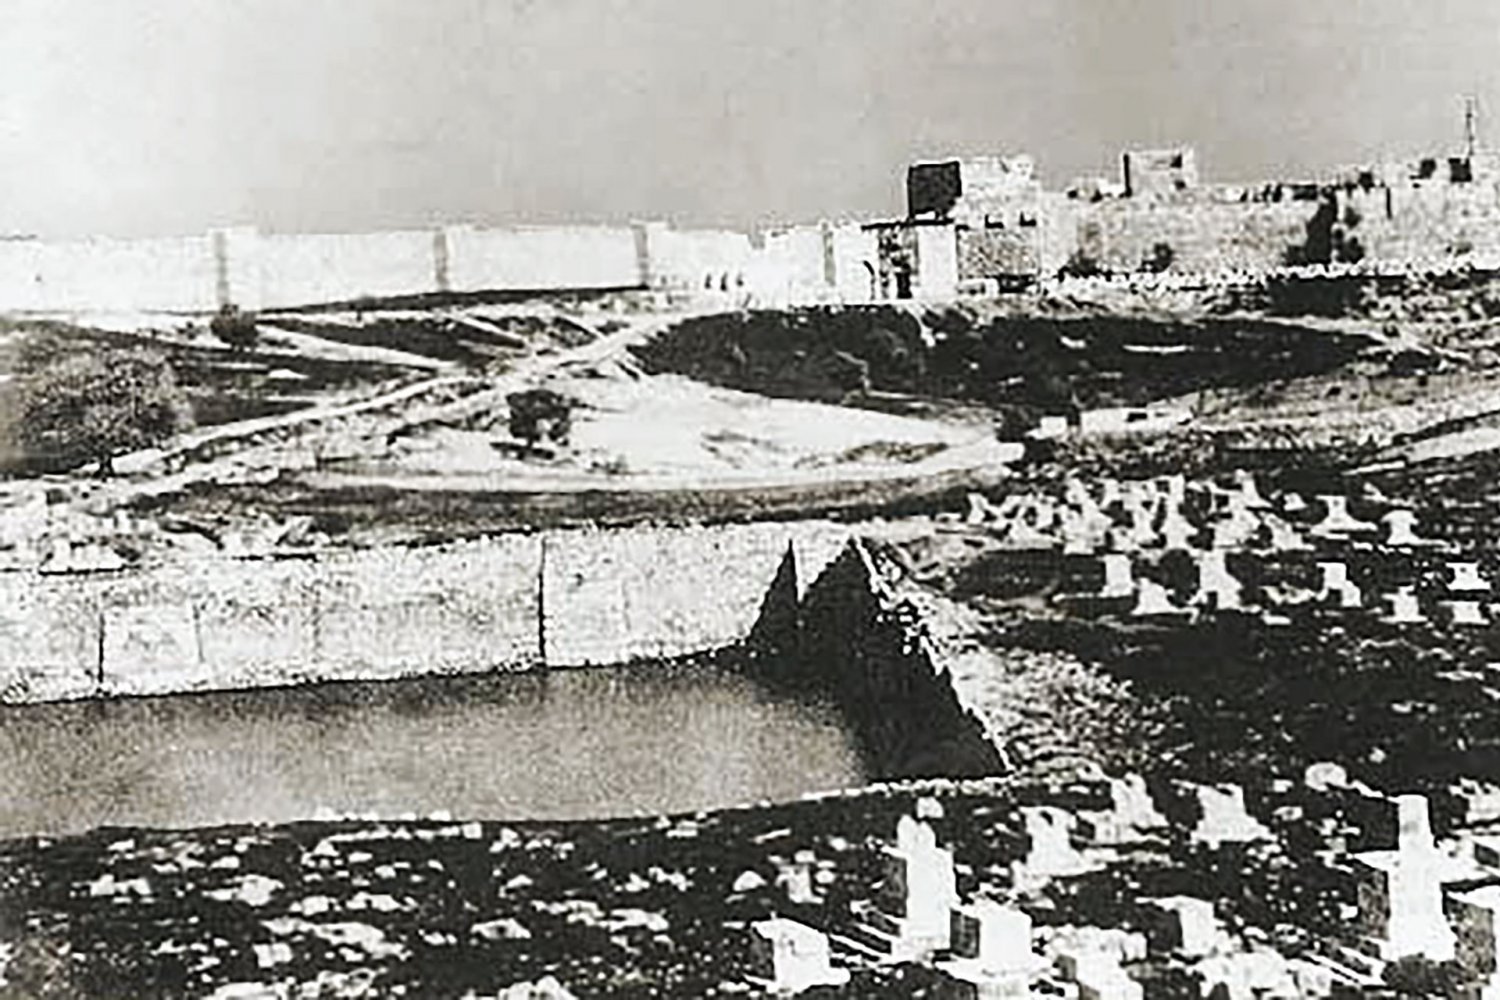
<point>1471,124</point>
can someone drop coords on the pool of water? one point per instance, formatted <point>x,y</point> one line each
<point>557,745</point>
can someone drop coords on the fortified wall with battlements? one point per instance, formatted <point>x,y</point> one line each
<point>257,271</point>
<point>974,225</point>
<point>987,222</point>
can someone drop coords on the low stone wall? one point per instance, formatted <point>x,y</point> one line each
<point>850,637</point>
<point>511,602</point>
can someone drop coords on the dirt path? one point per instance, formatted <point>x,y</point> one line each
<point>150,472</point>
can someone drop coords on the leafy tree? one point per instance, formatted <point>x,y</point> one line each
<point>540,413</point>
<point>234,327</point>
<point>90,407</point>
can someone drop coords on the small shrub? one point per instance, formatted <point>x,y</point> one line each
<point>235,327</point>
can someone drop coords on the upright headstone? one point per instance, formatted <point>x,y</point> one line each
<point>1325,776</point>
<point>1049,848</point>
<point>991,948</point>
<point>1400,894</point>
<point>1177,532</point>
<point>1098,975</point>
<point>1466,613</point>
<point>791,957</point>
<point>1225,819</point>
<point>1249,491</point>
<point>1284,537</point>
<point>1405,609</point>
<point>1465,578</point>
<point>1337,521</point>
<point>1133,803</point>
<point>1142,532</point>
<point>916,895</point>
<point>1237,529</point>
<point>1401,529</point>
<point>1185,926</point>
<point>1337,586</point>
<point>1217,587</point>
<point>1153,599</point>
<point>1119,581</point>
<point>796,877</point>
<point>981,511</point>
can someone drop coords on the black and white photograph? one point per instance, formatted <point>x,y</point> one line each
<point>738,499</point>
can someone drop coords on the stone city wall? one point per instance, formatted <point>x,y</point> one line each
<point>256,270</point>
<point>154,274</point>
<point>1122,234</point>
<point>304,269</point>
<point>511,602</point>
<point>1422,222</point>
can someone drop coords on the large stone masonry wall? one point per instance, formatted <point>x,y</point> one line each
<point>255,270</point>
<point>850,637</point>
<point>105,274</point>
<point>1422,222</point>
<point>616,596</point>
<point>1121,234</point>
<point>308,269</point>
<point>506,603</point>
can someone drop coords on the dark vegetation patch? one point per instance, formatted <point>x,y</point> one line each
<point>221,386</point>
<point>487,343</point>
<point>1243,701</point>
<point>1048,363</point>
<point>386,514</point>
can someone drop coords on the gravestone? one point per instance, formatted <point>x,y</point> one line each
<point>1217,587</point>
<point>1475,917</point>
<point>992,955</point>
<point>1153,599</point>
<point>1401,529</point>
<point>1249,492</point>
<point>1324,776</point>
<point>1465,613</point>
<point>1466,578</point>
<point>1177,531</point>
<point>1119,580</point>
<point>912,916</point>
<point>1098,975</point>
<point>1400,892</point>
<point>1284,537</point>
<point>1337,521</point>
<point>1185,926</point>
<point>1225,819</point>
<point>791,957</point>
<point>1049,848</point>
<point>1405,609</point>
<point>1336,585</point>
<point>796,877</point>
<point>980,510</point>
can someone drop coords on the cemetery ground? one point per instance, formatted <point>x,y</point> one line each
<point>1274,587</point>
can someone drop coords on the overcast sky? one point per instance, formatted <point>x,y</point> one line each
<point>132,117</point>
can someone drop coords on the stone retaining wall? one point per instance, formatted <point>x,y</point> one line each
<point>511,602</point>
<point>850,637</point>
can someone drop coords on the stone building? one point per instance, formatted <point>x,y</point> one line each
<point>986,224</point>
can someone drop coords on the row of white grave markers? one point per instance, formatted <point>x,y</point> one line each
<point>1220,590</point>
<point>1153,518</point>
